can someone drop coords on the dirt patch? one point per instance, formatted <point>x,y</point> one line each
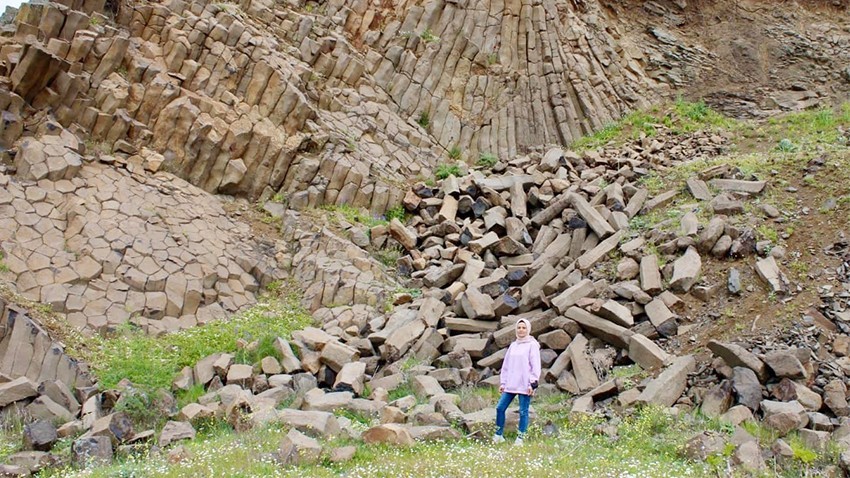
<point>745,56</point>
<point>814,219</point>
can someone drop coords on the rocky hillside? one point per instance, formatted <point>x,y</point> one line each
<point>425,173</point>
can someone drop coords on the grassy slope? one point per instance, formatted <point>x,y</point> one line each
<point>647,445</point>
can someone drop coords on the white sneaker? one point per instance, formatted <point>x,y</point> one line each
<point>498,439</point>
<point>518,442</point>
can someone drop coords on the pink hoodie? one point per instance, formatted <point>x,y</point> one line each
<point>521,366</point>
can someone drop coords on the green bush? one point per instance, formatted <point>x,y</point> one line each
<point>401,391</point>
<point>786,146</point>
<point>454,153</point>
<point>388,256</point>
<point>693,111</point>
<point>428,36</point>
<point>395,213</point>
<point>355,215</point>
<point>445,170</point>
<point>424,119</point>
<point>487,160</point>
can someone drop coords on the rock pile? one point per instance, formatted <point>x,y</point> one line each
<point>532,241</point>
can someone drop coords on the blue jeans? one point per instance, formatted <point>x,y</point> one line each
<point>502,407</point>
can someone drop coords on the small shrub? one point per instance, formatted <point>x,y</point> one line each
<point>454,153</point>
<point>428,36</point>
<point>140,406</point>
<point>786,146</point>
<point>424,119</point>
<point>357,417</point>
<point>3,266</point>
<point>355,215</point>
<point>401,391</point>
<point>765,435</point>
<point>395,213</point>
<point>388,256</point>
<point>768,233</point>
<point>487,160</point>
<point>652,182</point>
<point>801,451</point>
<point>693,111</point>
<point>350,145</point>
<point>445,170</point>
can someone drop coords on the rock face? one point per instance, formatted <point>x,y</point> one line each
<point>113,244</point>
<point>28,353</point>
<point>234,113</point>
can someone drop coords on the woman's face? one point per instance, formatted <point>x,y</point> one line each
<point>521,330</point>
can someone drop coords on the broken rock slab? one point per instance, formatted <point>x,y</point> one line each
<point>668,386</point>
<point>18,389</point>
<point>297,448</point>
<point>646,352</point>
<point>315,423</point>
<point>174,431</point>
<point>769,272</point>
<point>686,270</point>
<point>736,356</point>
<point>93,450</point>
<point>389,433</point>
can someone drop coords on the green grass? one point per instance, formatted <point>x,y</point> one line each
<point>647,445</point>
<point>653,182</point>
<point>11,431</point>
<point>765,435</point>
<point>356,417</point>
<point>455,153</point>
<point>597,139</point>
<point>445,170</point>
<point>813,127</point>
<point>191,395</point>
<point>396,212</point>
<point>428,36</point>
<point>388,256</point>
<point>766,232</point>
<point>403,390</point>
<point>151,363</point>
<point>487,160</point>
<point>680,117</point>
<point>424,119</point>
<point>688,117</point>
<point>3,267</point>
<point>355,215</point>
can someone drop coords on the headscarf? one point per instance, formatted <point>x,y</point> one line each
<point>527,338</point>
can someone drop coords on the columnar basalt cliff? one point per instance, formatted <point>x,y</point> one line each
<point>334,106</point>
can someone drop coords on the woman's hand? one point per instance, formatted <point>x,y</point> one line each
<point>501,389</point>
<point>530,392</point>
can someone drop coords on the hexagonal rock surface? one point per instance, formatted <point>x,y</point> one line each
<point>52,157</point>
<point>108,245</point>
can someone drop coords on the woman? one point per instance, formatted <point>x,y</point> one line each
<point>520,373</point>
